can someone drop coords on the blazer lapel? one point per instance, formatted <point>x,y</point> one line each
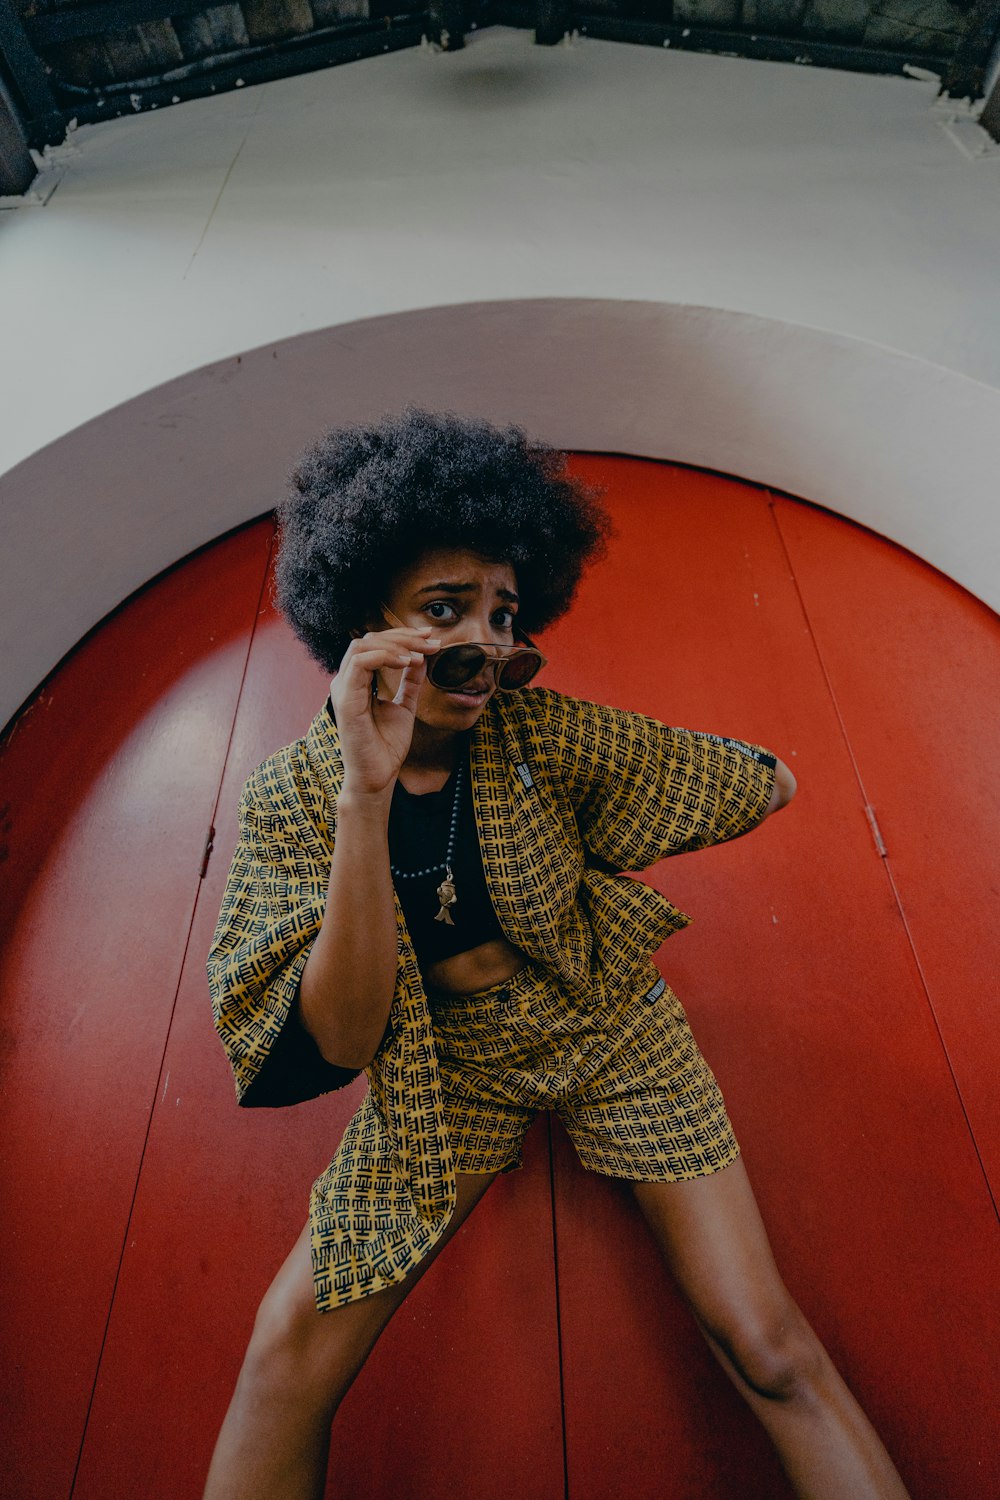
<point>532,863</point>
<point>327,763</point>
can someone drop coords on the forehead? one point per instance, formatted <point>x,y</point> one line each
<point>455,565</point>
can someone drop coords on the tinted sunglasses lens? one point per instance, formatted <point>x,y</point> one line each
<point>455,666</point>
<point>517,671</point>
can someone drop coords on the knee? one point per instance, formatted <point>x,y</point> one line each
<point>291,1354</point>
<point>295,1350</point>
<point>777,1355</point>
<point>280,1342</point>
<point>281,1328</point>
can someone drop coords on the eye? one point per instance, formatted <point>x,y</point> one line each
<point>503,619</point>
<point>434,610</point>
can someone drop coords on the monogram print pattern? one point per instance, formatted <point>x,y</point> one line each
<point>629,1083</point>
<point>607,791</point>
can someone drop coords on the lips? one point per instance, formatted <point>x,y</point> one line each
<point>465,698</point>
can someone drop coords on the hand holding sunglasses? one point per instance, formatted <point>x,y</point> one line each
<point>452,667</point>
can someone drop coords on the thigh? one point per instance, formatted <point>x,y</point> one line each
<point>332,1345</point>
<point>486,1135</point>
<point>651,1109</point>
<point>711,1235</point>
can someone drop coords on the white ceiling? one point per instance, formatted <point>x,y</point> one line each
<point>831,199</point>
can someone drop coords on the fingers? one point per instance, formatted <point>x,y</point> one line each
<point>367,662</point>
<point>411,637</point>
<point>410,683</point>
<point>397,648</point>
<point>389,648</point>
<point>401,650</point>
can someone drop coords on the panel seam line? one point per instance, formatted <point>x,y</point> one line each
<point>884,859</point>
<point>166,1043</point>
<point>559,1333</point>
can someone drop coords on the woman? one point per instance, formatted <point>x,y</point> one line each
<point>428,886</point>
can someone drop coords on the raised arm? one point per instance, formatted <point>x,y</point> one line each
<point>643,790</point>
<point>347,985</point>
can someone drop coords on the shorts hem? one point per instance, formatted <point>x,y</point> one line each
<point>633,1172</point>
<point>482,1169</point>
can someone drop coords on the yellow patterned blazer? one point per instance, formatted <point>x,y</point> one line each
<point>568,795</point>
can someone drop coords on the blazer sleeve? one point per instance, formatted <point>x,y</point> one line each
<point>272,909</point>
<point>642,790</point>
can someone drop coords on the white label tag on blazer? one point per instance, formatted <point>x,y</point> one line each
<point>762,757</point>
<point>525,774</point>
<point>657,990</point>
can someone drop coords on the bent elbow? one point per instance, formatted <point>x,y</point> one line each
<point>783,790</point>
<point>350,1060</point>
<point>785,787</point>
<point>340,1054</point>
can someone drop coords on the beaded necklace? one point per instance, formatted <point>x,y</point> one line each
<point>446,890</point>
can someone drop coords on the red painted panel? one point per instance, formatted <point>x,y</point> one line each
<point>470,1359</point>
<point>461,1396</point>
<point>648,1411</point>
<point>110,782</point>
<point>798,976</point>
<point>914,664</point>
<point>802,989</point>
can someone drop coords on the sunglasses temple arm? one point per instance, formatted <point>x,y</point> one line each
<point>394,618</point>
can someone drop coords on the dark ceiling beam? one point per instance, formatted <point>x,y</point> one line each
<point>32,100</point>
<point>553,18</point>
<point>17,165</point>
<point>990,117</point>
<point>965,77</point>
<point>347,42</point>
<point>447,22</point>
<point>43,101</point>
<point>685,38</point>
<point>93,20</point>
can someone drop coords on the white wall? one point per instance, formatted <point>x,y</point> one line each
<point>781,272</point>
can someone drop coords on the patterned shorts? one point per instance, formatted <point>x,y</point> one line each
<point>624,1074</point>
<point>626,1078</point>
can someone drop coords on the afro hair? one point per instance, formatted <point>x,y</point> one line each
<point>366,501</point>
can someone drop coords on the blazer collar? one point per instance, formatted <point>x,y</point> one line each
<point>507,820</point>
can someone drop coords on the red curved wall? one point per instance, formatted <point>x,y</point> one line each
<point>842,984</point>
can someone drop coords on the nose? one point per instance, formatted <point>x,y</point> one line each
<point>486,678</point>
<point>478,626</point>
<point>476,629</point>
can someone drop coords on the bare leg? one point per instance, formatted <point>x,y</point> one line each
<point>711,1235</point>
<point>275,1440</point>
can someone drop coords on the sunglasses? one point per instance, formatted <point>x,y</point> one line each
<point>452,667</point>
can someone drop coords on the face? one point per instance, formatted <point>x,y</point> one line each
<point>464,598</point>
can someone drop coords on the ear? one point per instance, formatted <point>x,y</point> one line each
<point>357,631</point>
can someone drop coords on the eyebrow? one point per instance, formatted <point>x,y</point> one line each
<point>465,588</point>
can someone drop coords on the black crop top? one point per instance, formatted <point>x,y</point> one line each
<point>418,837</point>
